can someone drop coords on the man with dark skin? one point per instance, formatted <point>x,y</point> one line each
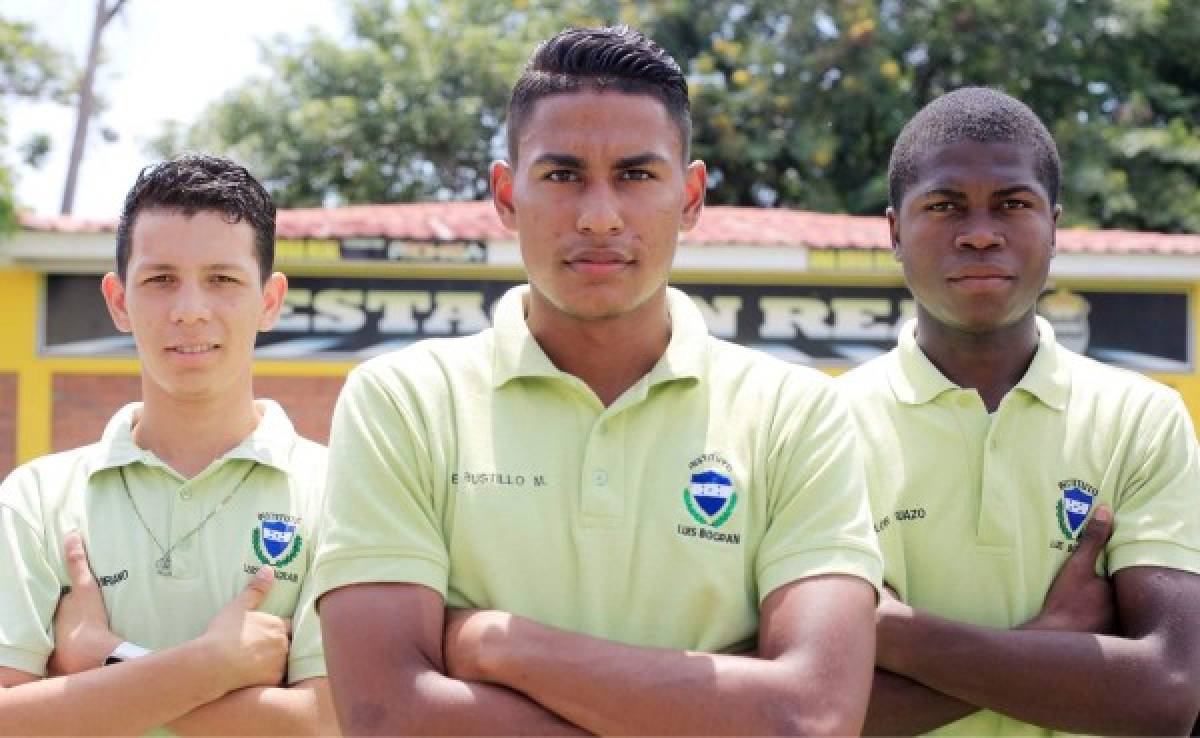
<point>988,446</point>
<point>530,477</point>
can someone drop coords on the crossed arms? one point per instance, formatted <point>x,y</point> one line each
<point>402,664</point>
<point>1069,668</point>
<point>223,682</point>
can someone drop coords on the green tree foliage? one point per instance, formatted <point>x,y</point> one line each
<point>796,102</point>
<point>29,68</point>
<point>408,109</point>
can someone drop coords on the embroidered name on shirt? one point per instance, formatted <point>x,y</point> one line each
<point>280,574</point>
<point>496,479</point>
<point>109,580</point>
<point>695,531</point>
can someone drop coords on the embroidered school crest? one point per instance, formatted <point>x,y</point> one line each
<point>1074,505</point>
<point>277,539</point>
<point>710,497</point>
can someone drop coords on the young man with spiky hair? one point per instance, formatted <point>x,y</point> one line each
<point>1039,512</point>
<point>615,506</point>
<point>150,576</point>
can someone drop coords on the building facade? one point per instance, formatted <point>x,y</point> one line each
<point>812,288</point>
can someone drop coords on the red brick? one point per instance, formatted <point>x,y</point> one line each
<point>308,401</point>
<point>8,423</point>
<point>83,404</point>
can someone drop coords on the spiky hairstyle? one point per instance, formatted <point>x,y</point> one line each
<point>610,59</point>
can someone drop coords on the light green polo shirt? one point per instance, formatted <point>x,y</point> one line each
<point>475,467</point>
<point>269,519</point>
<point>976,513</point>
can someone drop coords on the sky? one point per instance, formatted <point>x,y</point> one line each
<point>165,60</point>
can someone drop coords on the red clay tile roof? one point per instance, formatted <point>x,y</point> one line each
<point>476,221</point>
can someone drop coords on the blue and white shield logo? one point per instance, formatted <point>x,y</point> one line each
<point>1074,507</point>
<point>711,491</point>
<point>276,535</point>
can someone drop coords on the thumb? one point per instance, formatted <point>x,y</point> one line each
<point>256,589</point>
<point>78,569</point>
<point>1095,534</point>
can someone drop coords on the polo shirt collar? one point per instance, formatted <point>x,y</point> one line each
<point>1048,378</point>
<point>916,381</point>
<point>518,354</point>
<point>270,443</point>
<point>914,378</point>
<point>687,350</point>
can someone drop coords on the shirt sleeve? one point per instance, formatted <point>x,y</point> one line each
<point>306,657</point>
<point>29,589</point>
<point>381,522</point>
<point>1157,515</point>
<point>820,521</point>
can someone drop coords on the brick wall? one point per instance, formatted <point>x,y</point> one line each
<point>83,404</point>
<point>8,423</point>
<point>308,400</point>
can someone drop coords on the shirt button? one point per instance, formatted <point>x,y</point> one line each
<point>186,494</point>
<point>600,478</point>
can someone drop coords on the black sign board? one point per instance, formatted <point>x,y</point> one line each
<point>339,318</point>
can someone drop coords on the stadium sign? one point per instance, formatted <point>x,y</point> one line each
<point>340,318</point>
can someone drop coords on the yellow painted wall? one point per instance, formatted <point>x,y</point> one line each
<point>19,300</point>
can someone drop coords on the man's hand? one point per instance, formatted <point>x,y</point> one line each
<point>467,634</point>
<point>1080,600</point>
<point>82,639</point>
<point>251,646</point>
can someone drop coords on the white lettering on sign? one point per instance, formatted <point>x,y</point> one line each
<point>862,318</point>
<point>457,312</point>
<point>461,309</point>
<point>720,315</point>
<point>289,319</point>
<point>399,309</point>
<point>338,311</point>
<point>788,317</point>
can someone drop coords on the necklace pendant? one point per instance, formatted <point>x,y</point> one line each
<point>164,565</point>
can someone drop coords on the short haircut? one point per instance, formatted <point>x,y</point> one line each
<point>611,59</point>
<point>972,114</point>
<point>200,183</point>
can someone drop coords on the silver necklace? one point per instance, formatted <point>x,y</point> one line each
<point>163,563</point>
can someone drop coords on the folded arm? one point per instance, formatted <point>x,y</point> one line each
<point>305,708</point>
<point>124,699</point>
<point>241,647</point>
<point>1062,670</point>
<point>1141,684</point>
<point>383,647</point>
<point>811,675</point>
